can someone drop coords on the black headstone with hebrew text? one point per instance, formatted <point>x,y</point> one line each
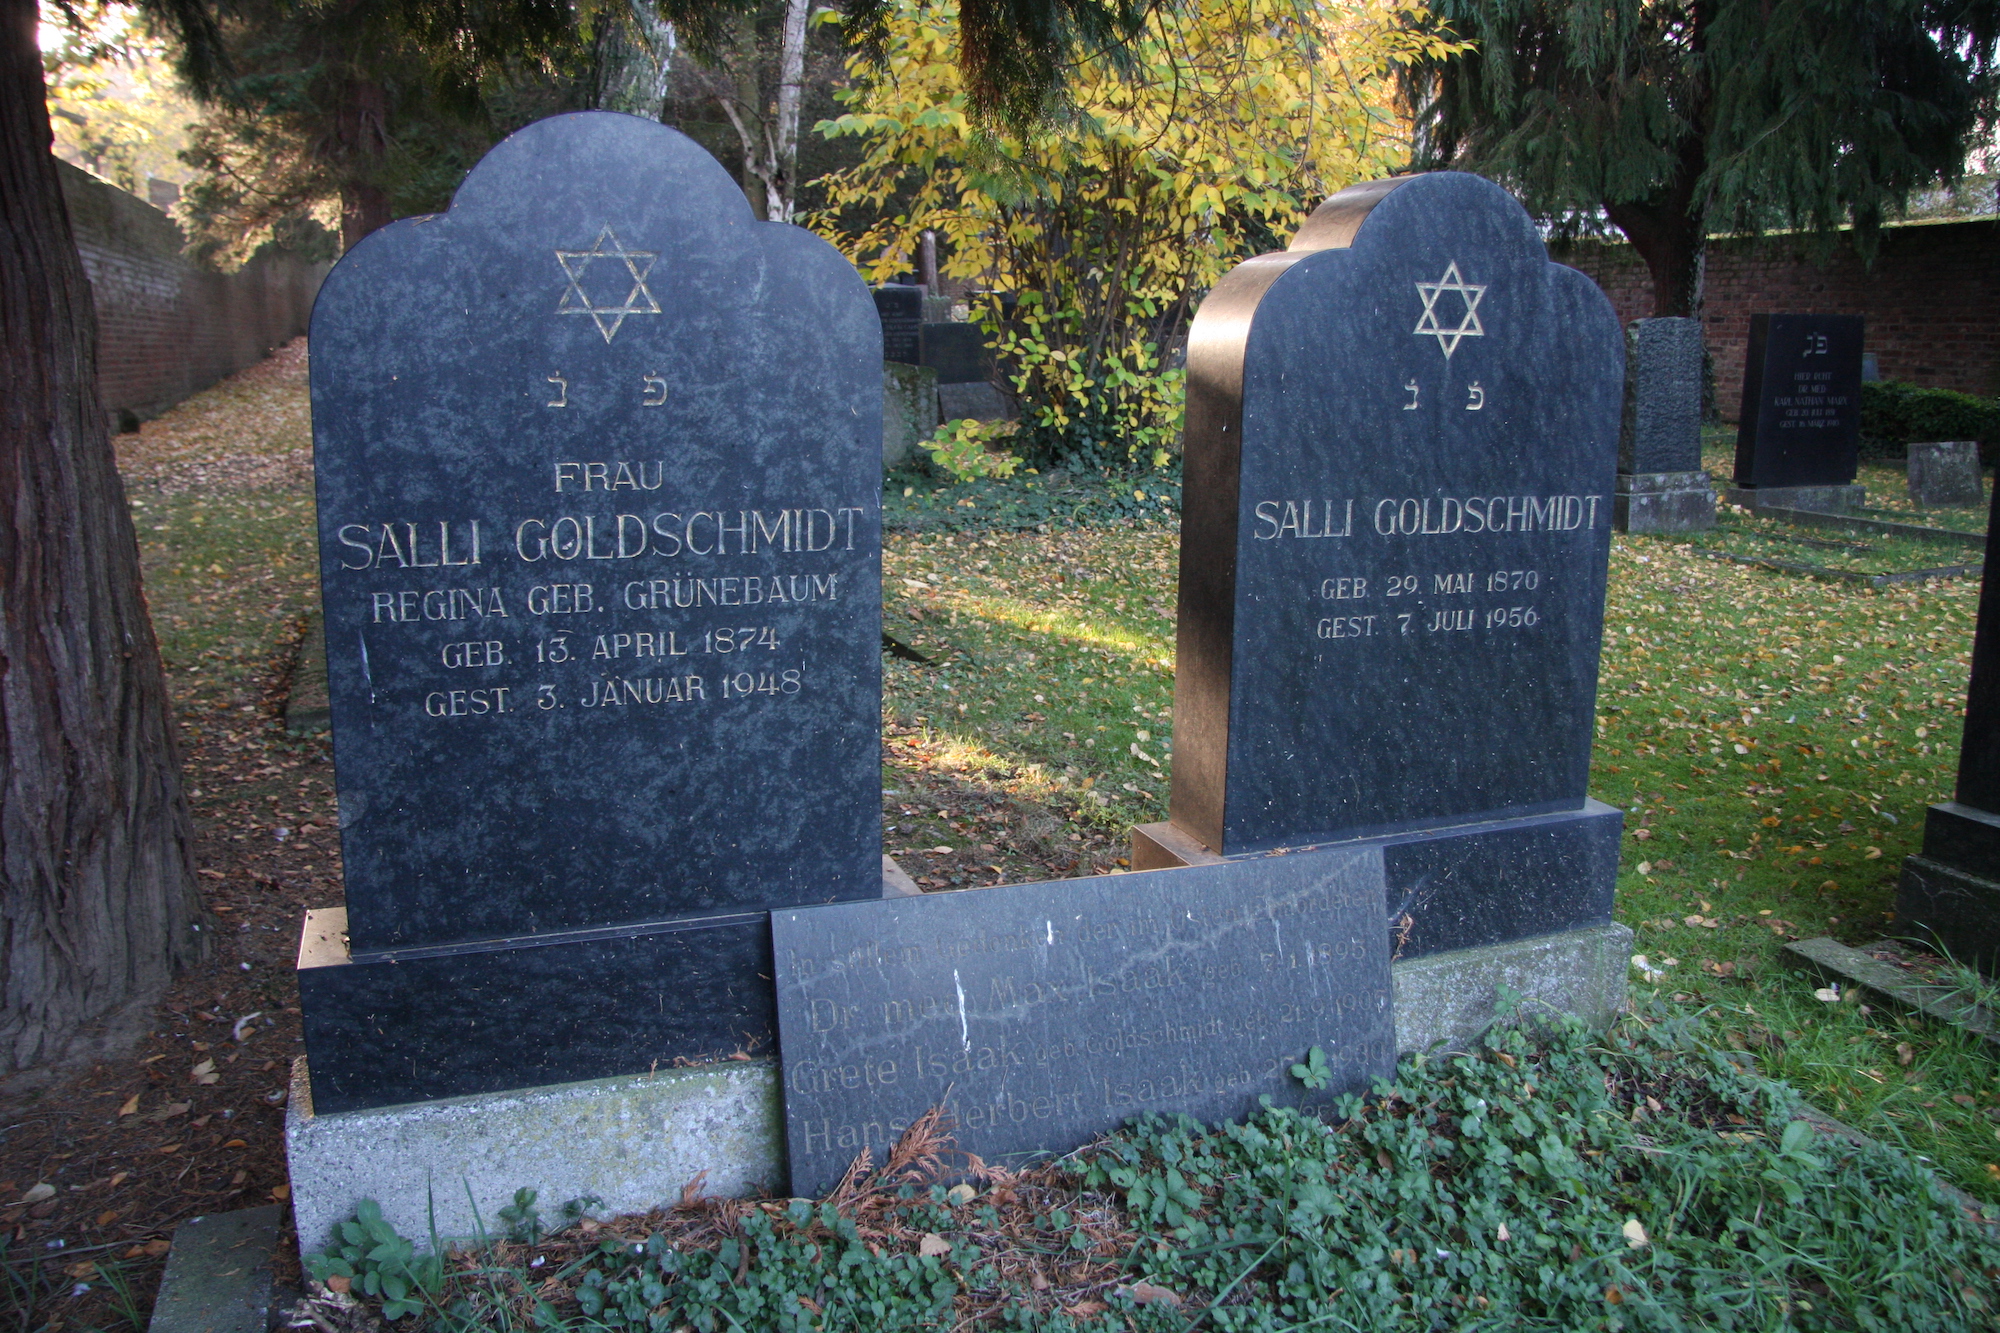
<point>1042,1015</point>
<point>598,459</point>
<point>901,308</point>
<point>1800,422</point>
<point>1401,444</point>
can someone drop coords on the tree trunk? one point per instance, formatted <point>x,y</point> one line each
<point>362,129</point>
<point>791,87</point>
<point>97,894</point>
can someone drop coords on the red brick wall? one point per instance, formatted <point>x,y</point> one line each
<point>167,328</point>
<point>1929,300</point>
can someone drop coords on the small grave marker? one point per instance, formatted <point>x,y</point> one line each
<point>902,310</point>
<point>1945,475</point>
<point>1041,1015</point>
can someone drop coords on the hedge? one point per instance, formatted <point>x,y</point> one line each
<point>1895,415</point>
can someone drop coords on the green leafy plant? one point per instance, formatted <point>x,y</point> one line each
<point>1315,1073</point>
<point>968,449</point>
<point>1895,415</point>
<point>522,1220</point>
<point>371,1259</point>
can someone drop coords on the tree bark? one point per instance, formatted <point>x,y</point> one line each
<point>361,127</point>
<point>97,893</point>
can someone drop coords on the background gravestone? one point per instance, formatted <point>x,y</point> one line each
<point>901,309</point>
<point>1798,433</point>
<point>598,460</point>
<point>1661,484</point>
<point>1945,475</point>
<point>1401,447</point>
<point>1042,1015</point>
<point>1951,890</point>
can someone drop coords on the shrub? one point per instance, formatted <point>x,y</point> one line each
<point>1895,415</point>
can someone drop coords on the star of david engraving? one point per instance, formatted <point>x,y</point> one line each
<point>609,318</point>
<point>1468,325</point>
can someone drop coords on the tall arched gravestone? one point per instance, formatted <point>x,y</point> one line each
<point>599,469</point>
<point>1402,437</point>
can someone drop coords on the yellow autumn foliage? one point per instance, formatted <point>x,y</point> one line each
<point>1230,120</point>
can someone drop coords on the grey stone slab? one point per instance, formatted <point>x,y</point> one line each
<point>1867,527</point>
<point>218,1277</point>
<point>1401,449</point>
<point>1945,475</point>
<point>979,401</point>
<point>634,1142</point>
<point>1800,420</point>
<point>909,411</point>
<point>1851,967</point>
<point>1662,423</point>
<point>1663,502</point>
<point>1041,1015</point>
<point>599,473</point>
<point>1804,499</point>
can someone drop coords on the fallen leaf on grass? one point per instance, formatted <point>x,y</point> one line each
<point>338,1283</point>
<point>1906,1054</point>
<point>1145,1293</point>
<point>39,1193</point>
<point>960,1194</point>
<point>170,1110</point>
<point>107,1217</point>
<point>1827,994</point>
<point>131,1106</point>
<point>1635,1235</point>
<point>933,1246</point>
<point>281,1192</point>
<point>204,1073</point>
<point>171,1147</point>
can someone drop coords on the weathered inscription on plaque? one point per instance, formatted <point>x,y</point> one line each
<point>599,461</point>
<point>1040,1015</point>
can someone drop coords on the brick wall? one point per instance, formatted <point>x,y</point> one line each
<point>168,328</point>
<point>1928,301</point>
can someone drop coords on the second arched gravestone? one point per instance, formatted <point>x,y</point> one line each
<point>1401,445</point>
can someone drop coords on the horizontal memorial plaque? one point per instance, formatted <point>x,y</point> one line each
<point>1041,1015</point>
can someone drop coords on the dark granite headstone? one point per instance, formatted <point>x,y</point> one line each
<point>1041,1015</point>
<point>902,313</point>
<point>599,459</point>
<point>958,353</point>
<point>1401,442</point>
<point>1800,423</point>
<point>1951,890</point>
<point>1661,484</point>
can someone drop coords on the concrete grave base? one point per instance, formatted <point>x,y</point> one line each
<point>1817,499</point>
<point>1663,502</point>
<point>636,1142</point>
